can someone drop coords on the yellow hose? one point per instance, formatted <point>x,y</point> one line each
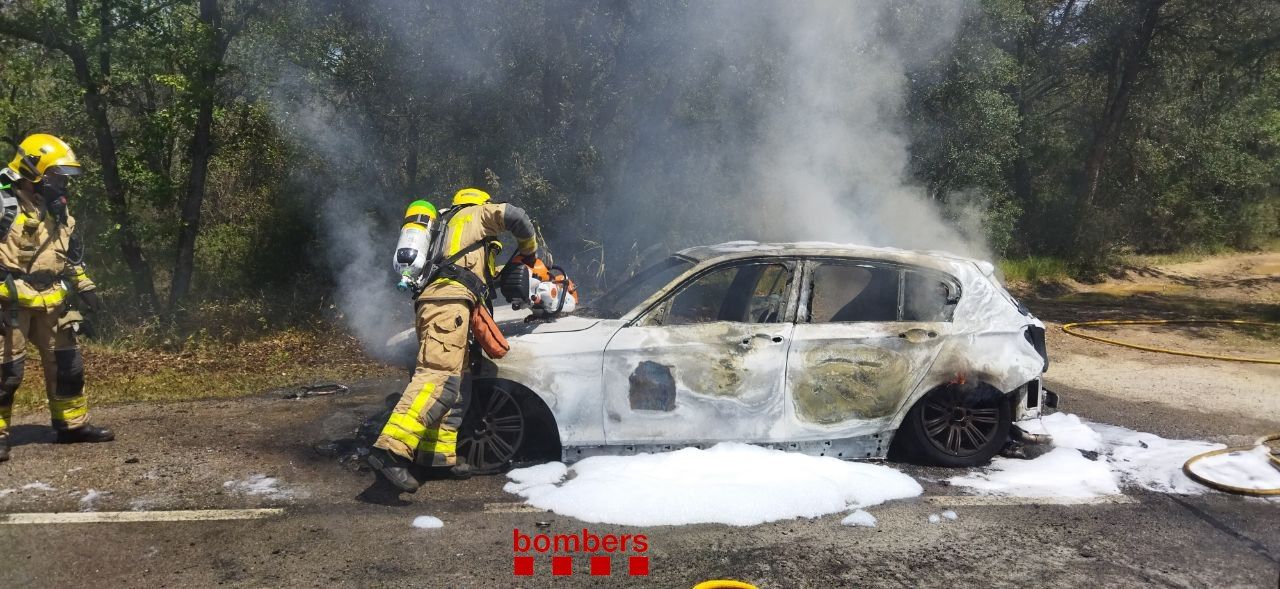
<point>1275,461</point>
<point>724,584</point>
<point>1186,467</point>
<point>1070,326</point>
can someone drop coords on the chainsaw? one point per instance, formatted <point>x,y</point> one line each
<point>546,292</point>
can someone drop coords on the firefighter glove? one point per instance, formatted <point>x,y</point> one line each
<point>85,329</point>
<point>92,302</point>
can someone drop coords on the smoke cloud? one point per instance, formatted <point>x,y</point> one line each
<point>353,209</point>
<point>832,162</point>
<point>824,154</point>
<point>735,119</point>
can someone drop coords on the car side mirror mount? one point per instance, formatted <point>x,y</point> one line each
<point>953,293</point>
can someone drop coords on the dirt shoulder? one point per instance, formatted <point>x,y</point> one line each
<point>1240,286</point>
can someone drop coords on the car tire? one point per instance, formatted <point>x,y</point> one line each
<point>506,426</point>
<point>956,426</point>
<point>494,430</point>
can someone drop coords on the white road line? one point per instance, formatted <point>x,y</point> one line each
<point>97,517</point>
<point>980,500</point>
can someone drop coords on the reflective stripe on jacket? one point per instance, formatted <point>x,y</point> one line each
<point>36,252</point>
<point>469,225</point>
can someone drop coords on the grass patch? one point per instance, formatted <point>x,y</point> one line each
<point>1193,254</point>
<point>1033,269</point>
<point>116,373</point>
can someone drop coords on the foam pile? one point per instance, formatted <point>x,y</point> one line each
<point>729,483</point>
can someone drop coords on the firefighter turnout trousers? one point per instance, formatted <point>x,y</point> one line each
<point>60,357</point>
<point>424,423</point>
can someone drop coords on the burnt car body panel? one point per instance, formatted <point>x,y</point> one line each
<point>645,381</point>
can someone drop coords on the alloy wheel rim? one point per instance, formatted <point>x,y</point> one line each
<point>960,424</point>
<point>496,434</point>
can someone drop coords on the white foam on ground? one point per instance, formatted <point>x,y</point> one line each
<point>1151,462</point>
<point>1068,431</point>
<point>542,474</point>
<point>859,518</point>
<point>86,502</point>
<point>6,492</point>
<point>740,484</point>
<point>262,485</point>
<point>427,522</point>
<point>730,483</point>
<point>1124,458</point>
<point>38,486</point>
<point>1062,472</point>
<point>1248,469</point>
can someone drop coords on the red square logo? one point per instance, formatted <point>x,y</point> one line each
<point>523,566</point>
<point>600,566</point>
<point>638,566</point>
<point>562,566</point>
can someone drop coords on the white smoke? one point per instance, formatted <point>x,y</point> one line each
<point>832,162</point>
<point>809,143</point>
<point>827,156</point>
<point>356,238</point>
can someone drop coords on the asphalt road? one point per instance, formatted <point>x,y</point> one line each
<point>331,531</point>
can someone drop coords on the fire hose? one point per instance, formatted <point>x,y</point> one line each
<point>1186,467</point>
<point>1275,461</point>
<point>1070,326</point>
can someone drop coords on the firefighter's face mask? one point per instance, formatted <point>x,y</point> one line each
<point>54,188</point>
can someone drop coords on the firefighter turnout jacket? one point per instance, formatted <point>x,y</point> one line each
<point>472,224</point>
<point>39,257</point>
<point>424,423</point>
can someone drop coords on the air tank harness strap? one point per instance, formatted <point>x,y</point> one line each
<point>12,286</point>
<point>451,270</point>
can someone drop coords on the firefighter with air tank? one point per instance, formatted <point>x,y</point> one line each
<point>40,255</point>
<point>449,256</point>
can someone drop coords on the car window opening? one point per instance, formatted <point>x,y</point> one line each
<point>743,293</point>
<point>850,293</point>
<point>621,299</point>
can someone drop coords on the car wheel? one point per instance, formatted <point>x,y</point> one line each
<point>493,433</point>
<point>957,426</point>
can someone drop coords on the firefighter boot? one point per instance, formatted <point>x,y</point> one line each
<point>394,469</point>
<point>461,471</point>
<point>85,434</point>
<point>4,448</point>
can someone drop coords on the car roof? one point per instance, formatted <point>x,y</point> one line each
<point>742,249</point>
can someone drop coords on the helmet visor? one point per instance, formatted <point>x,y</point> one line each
<point>54,186</point>
<point>62,170</point>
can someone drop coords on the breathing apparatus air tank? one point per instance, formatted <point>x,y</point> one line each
<point>412,249</point>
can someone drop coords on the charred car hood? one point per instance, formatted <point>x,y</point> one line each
<point>517,327</point>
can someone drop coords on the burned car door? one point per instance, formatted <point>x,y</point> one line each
<point>707,361</point>
<point>866,334</point>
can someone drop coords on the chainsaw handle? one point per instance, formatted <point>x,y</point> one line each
<point>564,286</point>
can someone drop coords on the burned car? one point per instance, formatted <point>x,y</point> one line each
<point>846,351</point>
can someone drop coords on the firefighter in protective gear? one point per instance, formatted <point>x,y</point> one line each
<point>423,426</point>
<point>39,256</point>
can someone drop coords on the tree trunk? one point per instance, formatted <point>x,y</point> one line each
<point>193,200</point>
<point>118,205</point>
<point>200,152</point>
<point>1129,65</point>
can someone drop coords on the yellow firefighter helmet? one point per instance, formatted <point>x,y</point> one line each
<point>42,154</point>
<point>470,196</point>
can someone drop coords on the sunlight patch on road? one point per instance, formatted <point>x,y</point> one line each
<point>1010,501</point>
<point>138,516</point>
